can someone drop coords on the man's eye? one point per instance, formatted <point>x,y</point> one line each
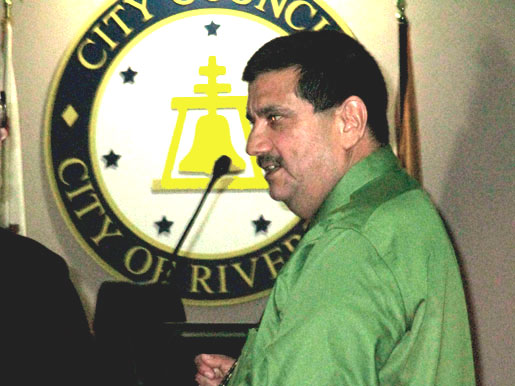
<point>273,118</point>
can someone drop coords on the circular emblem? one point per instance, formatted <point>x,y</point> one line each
<point>143,104</point>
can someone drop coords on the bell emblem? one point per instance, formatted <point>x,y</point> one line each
<point>211,140</point>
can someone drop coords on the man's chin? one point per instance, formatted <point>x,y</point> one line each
<point>277,195</point>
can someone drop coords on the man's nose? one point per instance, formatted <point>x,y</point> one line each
<point>258,141</point>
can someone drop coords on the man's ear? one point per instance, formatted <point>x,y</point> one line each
<point>353,121</point>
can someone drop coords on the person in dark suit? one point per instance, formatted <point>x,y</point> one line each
<point>46,338</point>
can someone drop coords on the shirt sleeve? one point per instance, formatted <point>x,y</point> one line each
<point>342,317</point>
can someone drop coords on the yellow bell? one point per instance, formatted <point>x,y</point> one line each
<point>212,140</point>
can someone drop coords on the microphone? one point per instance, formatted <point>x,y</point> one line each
<point>220,168</point>
<point>128,314</point>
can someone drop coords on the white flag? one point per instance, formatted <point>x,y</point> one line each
<point>12,210</point>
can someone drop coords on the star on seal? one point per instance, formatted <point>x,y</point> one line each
<point>111,159</point>
<point>164,225</point>
<point>128,75</point>
<point>261,224</point>
<point>211,28</point>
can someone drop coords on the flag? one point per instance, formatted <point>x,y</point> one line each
<point>407,135</point>
<point>12,209</point>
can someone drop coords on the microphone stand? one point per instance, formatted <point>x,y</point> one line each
<point>221,167</point>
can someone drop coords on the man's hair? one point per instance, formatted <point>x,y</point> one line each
<point>332,67</point>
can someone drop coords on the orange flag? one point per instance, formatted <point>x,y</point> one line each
<point>407,135</point>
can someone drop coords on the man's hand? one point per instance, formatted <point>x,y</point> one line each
<point>212,368</point>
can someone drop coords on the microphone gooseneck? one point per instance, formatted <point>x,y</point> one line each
<point>220,168</point>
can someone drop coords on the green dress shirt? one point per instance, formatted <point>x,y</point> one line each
<point>371,296</point>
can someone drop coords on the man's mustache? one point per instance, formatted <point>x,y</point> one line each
<point>267,159</point>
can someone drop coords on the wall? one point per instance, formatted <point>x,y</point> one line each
<point>464,61</point>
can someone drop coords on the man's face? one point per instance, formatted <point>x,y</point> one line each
<point>297,148</point>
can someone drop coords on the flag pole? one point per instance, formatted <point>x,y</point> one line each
<point>8,4</point>
<point>407,136</point>
<point>4,159</point>
<point>402,20</point>
<point>401,11</point>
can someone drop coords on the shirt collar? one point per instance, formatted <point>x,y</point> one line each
<point>374,165</point>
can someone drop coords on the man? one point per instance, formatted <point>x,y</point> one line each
<point>372,294</point>
<point>46,337</point>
